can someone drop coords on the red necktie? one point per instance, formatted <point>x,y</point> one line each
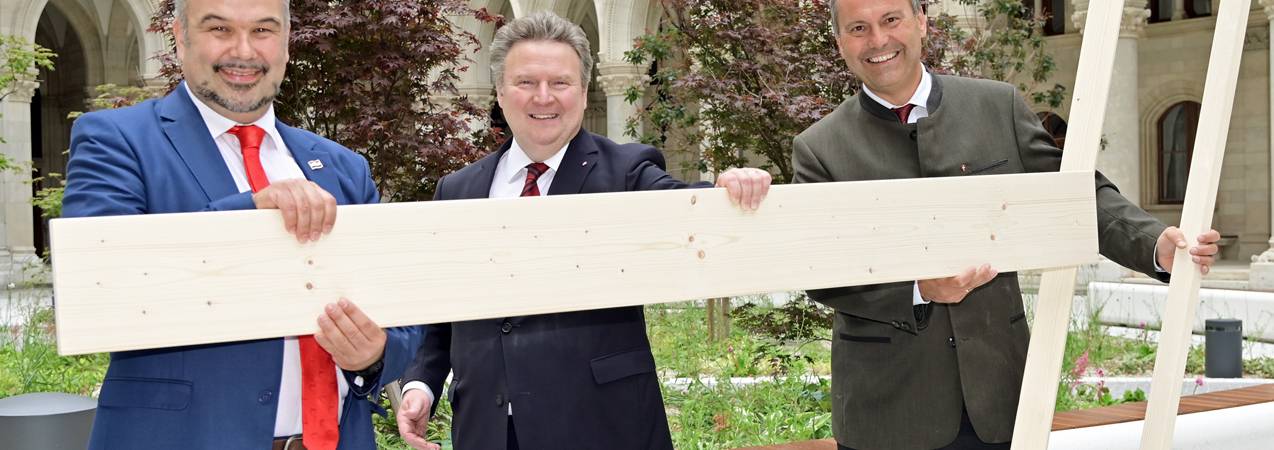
<point>320,427</point>
<point>533,172</point>
<point>903,112</point>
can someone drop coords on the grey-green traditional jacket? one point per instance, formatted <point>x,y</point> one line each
<point>899,382</point>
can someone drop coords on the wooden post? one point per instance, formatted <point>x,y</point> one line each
<point>1196,218</point>
<point>1057,287</point>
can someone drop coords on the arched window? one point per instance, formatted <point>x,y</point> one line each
<point>1177,127</point>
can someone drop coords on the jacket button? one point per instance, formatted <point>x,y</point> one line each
<point>964,167</point>
<point>265,397</point>
<point>951,341</point>
<point>906,326</point>
<point>506,327</point>
<point>896,324</point>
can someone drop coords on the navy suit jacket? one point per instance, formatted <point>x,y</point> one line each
<point>581,380</point>
<point>157,157</point>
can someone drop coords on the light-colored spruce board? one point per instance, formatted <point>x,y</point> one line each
<point>1037,398</point>
<point>147,281</point>
<point>1196,217</point>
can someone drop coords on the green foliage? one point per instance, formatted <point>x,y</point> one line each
<point>677,338</point>
<point>784,409</point>
<point>19,62</point>
<point>29,361</point>
<point>1005,43</point>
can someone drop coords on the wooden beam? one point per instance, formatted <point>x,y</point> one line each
<point>1196,218</point>
<point>147,281</point>
<point>1057,287</point>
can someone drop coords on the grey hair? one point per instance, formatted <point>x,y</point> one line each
<point>831,6</point>
<point>179,12</point>
<point>541,26</point>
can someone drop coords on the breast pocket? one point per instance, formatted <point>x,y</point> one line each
<point>622,365</point>
<point>151,393</point>
<point>985,167</point>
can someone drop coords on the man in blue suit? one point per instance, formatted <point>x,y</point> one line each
<point>213,144</point>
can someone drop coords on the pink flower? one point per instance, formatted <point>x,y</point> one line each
<point>1081,365</point>
<point>1101,373</point>
<point>1198,381</point>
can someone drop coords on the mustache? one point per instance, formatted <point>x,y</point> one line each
<point>263,67</point>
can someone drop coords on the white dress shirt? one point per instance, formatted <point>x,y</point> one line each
<point>279,165</point>
<point>509,179</point>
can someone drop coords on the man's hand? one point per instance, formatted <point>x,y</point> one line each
<point>746,186</point>
<point>413,419</point>
<point>953,289</point>
<point>308,211</point>
<point>354,341</point>
<point>1203,254</point>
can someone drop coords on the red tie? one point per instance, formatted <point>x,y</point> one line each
<point>320,427</point>
<point>903,112</point>
<point>533,172</point>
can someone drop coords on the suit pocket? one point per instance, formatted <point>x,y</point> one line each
<point>867,339</point>
<point>988,167</point>
<point>152,393</point>
<point>622,365</point>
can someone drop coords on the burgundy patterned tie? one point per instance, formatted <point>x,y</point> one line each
<point>903,112</point>
<point>533,172</point>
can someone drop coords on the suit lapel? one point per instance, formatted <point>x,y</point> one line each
<point>314,163</point>
<point>580,159</point>
<point>480,185</point>
<point>189,136</point>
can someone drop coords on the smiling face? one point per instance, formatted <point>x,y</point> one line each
<point>233,54</point>
<point>880,41</point>
<point>542,96</point>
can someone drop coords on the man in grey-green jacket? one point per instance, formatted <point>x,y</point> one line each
<point>938,363</point>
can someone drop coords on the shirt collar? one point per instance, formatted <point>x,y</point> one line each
<point>516,160</point>
<point>218,124</point>
<point>920,98</point>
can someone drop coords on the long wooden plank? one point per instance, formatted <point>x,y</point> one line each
<point>133,282</point>
<point>1196,218</point>
<point>1057,287</point>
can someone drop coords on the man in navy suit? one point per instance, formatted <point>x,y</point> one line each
<point>580,380</point>
<point>213,144</point>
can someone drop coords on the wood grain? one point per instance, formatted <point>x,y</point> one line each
<point>148,281</point>
<point>1196,218</point>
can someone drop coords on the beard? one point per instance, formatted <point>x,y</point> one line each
<point>207,93</point>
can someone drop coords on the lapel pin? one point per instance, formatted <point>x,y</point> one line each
<point>315,164</point>
<point>585,163</point>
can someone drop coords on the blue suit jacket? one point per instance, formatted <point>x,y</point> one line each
<point>157,157</point>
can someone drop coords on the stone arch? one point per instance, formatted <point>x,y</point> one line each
<point>620,23</point>
<point>145,44</point>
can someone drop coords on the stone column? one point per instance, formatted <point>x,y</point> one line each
<point>16,224</point>
<point>1261,273</point>
<point>1120,158</point>
<point>615,78</point>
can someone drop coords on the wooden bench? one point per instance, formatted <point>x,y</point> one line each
<point>1127,412</point>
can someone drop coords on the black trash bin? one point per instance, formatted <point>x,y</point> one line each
<point>46,421</point>
<point>1223,349</point>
